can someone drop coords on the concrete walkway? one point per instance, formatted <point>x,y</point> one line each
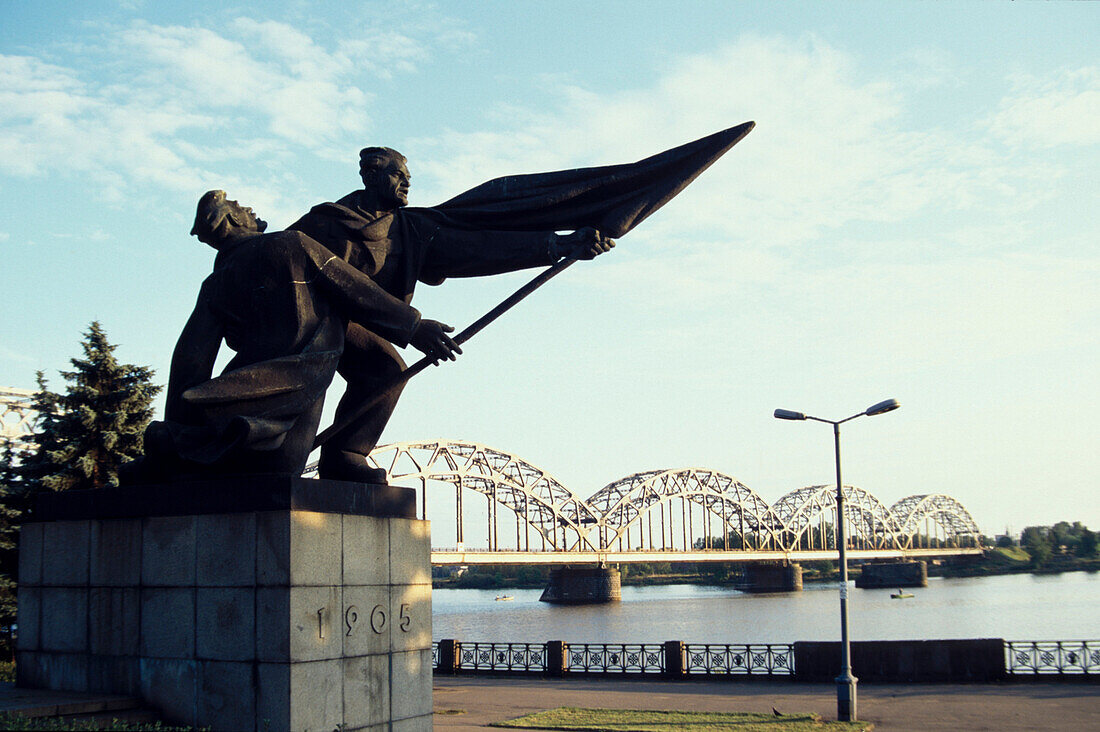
<point>1021,706</point>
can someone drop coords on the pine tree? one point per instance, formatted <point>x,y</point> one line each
<point>35,463</point>
<point>10,511</point>
<point>102,418</point>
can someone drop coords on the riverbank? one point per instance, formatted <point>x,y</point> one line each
<point>995,561</point>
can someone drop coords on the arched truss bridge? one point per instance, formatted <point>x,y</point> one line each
<point>16,415</point>
<point>689,511</point>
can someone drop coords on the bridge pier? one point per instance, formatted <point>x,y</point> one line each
<point>773,578</point>
<point>583,586</point>
<point>893,574</point>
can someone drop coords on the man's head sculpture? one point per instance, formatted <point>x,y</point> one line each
<point>218,219</point>
<point>385,175</point>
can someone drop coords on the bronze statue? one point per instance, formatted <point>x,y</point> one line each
<point>369,229</point>
<point>282,303</point>
<point>333,294</point>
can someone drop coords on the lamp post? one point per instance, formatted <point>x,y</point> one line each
<point>845,683</point>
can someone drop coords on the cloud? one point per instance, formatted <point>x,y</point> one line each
<point>841,195</point>
<point>1042,113</point>
<point>830,146</point>
<point>172,107</point>
<point>301,89</point>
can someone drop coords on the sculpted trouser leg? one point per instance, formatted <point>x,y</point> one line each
<point>368,360</point>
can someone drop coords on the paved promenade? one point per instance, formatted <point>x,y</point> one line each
<point>1021,706</point>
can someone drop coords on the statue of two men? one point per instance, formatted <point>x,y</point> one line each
<point>331,294</point>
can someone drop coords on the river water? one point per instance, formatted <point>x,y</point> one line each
<point>1014,607</point>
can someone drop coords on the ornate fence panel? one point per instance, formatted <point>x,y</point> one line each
<point>615,658</point>
<point>1040,658</point>
<point>513,657</point>
<point>754,659</point>
<point>1022,658</point>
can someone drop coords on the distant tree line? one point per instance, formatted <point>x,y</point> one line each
<point>1045,544</point>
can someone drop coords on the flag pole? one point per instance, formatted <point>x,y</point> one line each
<point>467,333</point>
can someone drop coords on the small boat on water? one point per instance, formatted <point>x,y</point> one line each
<point>901,594</point>
<point>504,598</point>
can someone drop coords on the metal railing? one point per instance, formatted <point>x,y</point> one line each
<point>648,659</point>
<point>1043,658</point>
<point>514,657</point>
<point>615,658</point>
<point>753,659</point>
<point>1022,659</point>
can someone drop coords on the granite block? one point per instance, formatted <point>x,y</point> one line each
<point>65,551</point>
<point>315,623</point>
<point>225,550</point>
<point>367,620</point>
<point>273,624</point>
<point>65,671</point>
<point>298,623</point>
<point>64,619</point>
<point>410,551</point>
<point>114,674</point>
<point>30,554</point>
<point>227,697</point>
<point>366,549</point>
<point>171,686</point>
<point>168,551</point>
<point>412,622</point>
<point>30,672</point>
<point>367,690</point>
<point>225,623</point>
<point>316,694</point>
<point>114,624</point>
<point>272,696</point>
<point>298,548</point>
<point>116,553</point>
<point>422,723</point>
<point>168,622</point>
<point>411,684</point>
<point>29,618</point>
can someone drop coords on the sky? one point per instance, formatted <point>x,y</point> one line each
<point>915,216</point>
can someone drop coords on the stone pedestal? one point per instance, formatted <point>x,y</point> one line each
<point>259,604</point>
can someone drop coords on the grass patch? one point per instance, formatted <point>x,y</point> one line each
<point>628,720</point>
<point>1008,555</point>
<point>451,711</point>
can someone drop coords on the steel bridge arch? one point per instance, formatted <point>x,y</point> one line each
<point>944,510</point>
<point>874,524</point>
<point>17,416</point>
<point>625,503</point>
<point>561,518</point>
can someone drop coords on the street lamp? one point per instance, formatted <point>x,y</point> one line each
<point>845,683</point>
